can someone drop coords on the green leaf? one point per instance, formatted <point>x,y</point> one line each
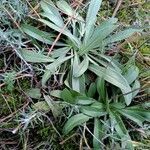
<point>135,88</point>
<point>110,60</point>
<point>95,42</point>
<point>75,81</point>
<point>101,88</point>
<point>98,105</point>
<point>56,93</point>
<point>121,130</point>
<point>64,6</point>
<point>53,18</point>
<point>51,12</point>
<point>38,34</point>
<point>34,93</point>
<point>53,66</point>
<point>54,107</point>
<point>82,84</point>
<point>74,121</point>
<point>139,110</point>
<point>59,52</point>
<point>65,32</point>
<point>81,68</point>
<point>46,76</point>
<point>103,26</point>
<point>49,7</point>
<point>41,106</point>
<point>96,137</point>
<point>92,90</point>
<point>132,116</point>
<point>114,78</point>
<point>92,111</point>
<point>83,100</point>
<point>91,17</point>
<point>121,35</point>
<point>131,74</point>
<point>32,56</point>
<point>75,84</point>
<point>67,96</point>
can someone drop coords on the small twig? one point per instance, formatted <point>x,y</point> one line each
<point>117,7</point>
<point>62,142</point>
<point>13,20</point>
<point>33,9</point>
<point>9,116</point>
<point>62,30</point>
<point>58,36</point>
<point>21,76</point>
<point>85,140</point>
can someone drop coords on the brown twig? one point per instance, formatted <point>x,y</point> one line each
<point>34,10</point>
<point>13,19</point>
<point>62,30</point>
<point>117,7</point>
<point>62,142</point>
<point>21,76</point>
<point>85,140</point>
<point>13,113</point>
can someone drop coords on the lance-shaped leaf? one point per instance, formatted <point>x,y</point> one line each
<point>132,116</point>
<point>97,133</point>
<point>65,7</point>
<point>93,111</point>
<point>131,74</point>
<point>81,68</point>
<point>51,68</point>
<point>95,42</point>
<point>32,56</point>
<point>92,90</point>
<point>135,88</point>
<point>65,31</point>
<point>38,34</point>
<point>51,12</point>
<point>121,130</point>
<point>121,35</point>
<point>74,121</point>
<point>91,17</point>
<point>114,78</point>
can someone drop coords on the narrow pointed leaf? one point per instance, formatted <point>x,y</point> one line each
<point>132,116</point>
<point>49,7</point>
<point>38,34</point>
<point>121,35</point>
<point>65,7</point>
<point>54,19</point>
<point>65,32</point>
<point>51,12</point>
<point>81,68</point>
<point>121,131</point>
<point>92,111</point>
<point>95,42</point>
<point>135,88</point>
<point>74,121</point>
<point>83,100</point>
<point>96,137</point>
<point>114,78</point>
<point>32,56</point>
<point>91,17</point>
<point>46,76</point>
<point>92,90</point>
<point>53,66</point>
<point>56,93</point>
<point>131,74</point>
<point>75,81</point>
